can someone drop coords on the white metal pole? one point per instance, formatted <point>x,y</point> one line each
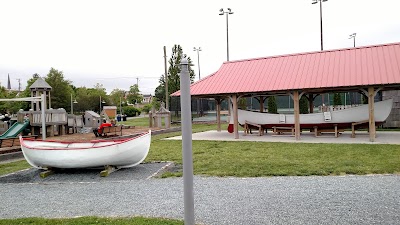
<point>187,144</point>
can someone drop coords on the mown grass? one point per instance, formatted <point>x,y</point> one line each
<point>255,159</point>
<point>92,220</point>
<point>13,167</point>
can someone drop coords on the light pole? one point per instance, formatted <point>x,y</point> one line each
<point>322,40</point>
<point>222,12</point>
<point>72,105</point>
<point>100,105</point>
<point>320,17</point>
<point>353,35</point>
<point>199,105</point>
<point>198,58</point>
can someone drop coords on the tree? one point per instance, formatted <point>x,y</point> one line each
<point>337,99</point>
<point>272,107</point>
<point>61,89</point>
<point>303,105</point>
<point>134,95</point>
<point>10,107</point>
<point>117,96</point>
<point>89,98</point>
<point>173,73</point>
<point>242,103</point>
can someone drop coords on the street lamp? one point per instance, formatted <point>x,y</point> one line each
<point>353,35</point>
<point>320,16</point>
<point>199,102</point>
<point>72,105</point>
<point>100,104</point>
<point>222,12</point>
<point>198,58</point>
<point>322,40</point>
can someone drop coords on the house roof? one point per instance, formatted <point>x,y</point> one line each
<point>342,68</point>
<point>110,107</point>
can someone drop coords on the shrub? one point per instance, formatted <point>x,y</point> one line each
<point>131,111</point>
<point>146,108</point>
<point>337,99</point>
<point>272,107</point>
<point>303,105</point>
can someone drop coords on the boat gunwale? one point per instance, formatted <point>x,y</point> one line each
<point>112,143</point>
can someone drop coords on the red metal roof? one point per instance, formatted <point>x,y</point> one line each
<point>351,67</point>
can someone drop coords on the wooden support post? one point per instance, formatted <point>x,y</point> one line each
<point>296,115</point>
<point>108,170</point>
<point>46,173</point>
<point>261,104</point>
<point>311,102</point>
<point>218,101</point>
<point>372,128</point>
<point>336,131</point>
<point>235,117</point>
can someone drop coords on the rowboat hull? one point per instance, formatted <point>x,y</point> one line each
<point>342,118</point>
<point>121,153</point>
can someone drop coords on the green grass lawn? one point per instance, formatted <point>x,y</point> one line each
<point>245,159</point>
<point>255,159</point>
<point>92,220</point>
<point>13,166</point>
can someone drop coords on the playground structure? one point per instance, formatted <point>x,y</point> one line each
<point>156,117</point>
<point>40,118</point>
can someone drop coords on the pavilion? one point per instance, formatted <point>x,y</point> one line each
<point>366,69</point>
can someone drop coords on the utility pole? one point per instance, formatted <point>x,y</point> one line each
<point>137,82</point>
<point>166,79</point>
<point>19,84</point>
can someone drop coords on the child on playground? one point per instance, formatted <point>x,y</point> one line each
<point>98,131</point>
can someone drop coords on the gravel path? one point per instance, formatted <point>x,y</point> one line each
<point>276,200</point>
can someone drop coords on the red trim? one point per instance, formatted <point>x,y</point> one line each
<point>115,142</point>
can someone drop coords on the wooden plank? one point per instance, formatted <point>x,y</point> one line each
<point>108,170</point>
<point>46,173</point>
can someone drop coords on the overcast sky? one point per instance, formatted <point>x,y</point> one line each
<point>115,42</point>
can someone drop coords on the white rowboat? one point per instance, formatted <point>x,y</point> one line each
<point>341,118</point>
<point>120,153</point>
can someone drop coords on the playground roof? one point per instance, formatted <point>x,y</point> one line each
<point>341,69</point>
<point>40,84</point>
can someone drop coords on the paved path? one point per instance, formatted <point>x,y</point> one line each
<point>382,137</point>
<point>275,200</point>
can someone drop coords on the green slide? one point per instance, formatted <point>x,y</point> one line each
<point>15,129</point>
